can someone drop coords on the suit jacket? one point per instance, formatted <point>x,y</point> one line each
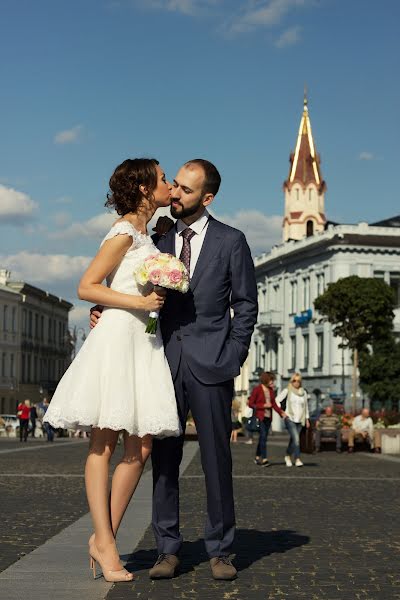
<point>199,323</point>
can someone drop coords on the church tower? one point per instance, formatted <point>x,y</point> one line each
<point>304,188</point>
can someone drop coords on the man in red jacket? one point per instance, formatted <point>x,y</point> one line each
<point>23,412</point>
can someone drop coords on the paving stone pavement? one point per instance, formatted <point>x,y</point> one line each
<point>42,491</point>
<point>329,530</point>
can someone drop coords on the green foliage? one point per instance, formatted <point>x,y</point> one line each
<point>359,308</point>
<point>380,372</point>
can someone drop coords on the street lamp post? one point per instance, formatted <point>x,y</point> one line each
<point>74,337</point>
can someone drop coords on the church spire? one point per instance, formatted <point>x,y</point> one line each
<point>304,188</point>
<point>305,162</point>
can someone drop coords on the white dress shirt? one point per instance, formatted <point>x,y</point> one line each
<point>200,228</point>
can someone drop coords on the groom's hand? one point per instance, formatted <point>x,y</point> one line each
<point>163,225</point>
<point>95,314</point>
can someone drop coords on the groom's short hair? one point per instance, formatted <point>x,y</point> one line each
<point>212,178</point>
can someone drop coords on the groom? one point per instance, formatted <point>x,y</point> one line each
<point>205,348</point>
<point>206,334</point>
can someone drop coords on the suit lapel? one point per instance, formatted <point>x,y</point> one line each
<point>211,243</point>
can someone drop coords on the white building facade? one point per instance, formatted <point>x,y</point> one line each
<point>35,345</point>
<point>290,335</point>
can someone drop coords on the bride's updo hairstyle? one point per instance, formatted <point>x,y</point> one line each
<point>125,195</point>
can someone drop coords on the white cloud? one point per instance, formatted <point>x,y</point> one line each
<point>289,37</point>
<point>61,219</point>
<point>262,231</point>
<point>185,7</point>
<point>48,269</point>
<point>267,13</point>
<point>96,228</point>
<point>68,136</point>
<point>366,156</point>
<point>16,208</point>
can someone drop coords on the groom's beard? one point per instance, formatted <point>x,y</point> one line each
<point>182,213</point>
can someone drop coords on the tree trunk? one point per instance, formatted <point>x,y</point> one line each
<point>354,380</point>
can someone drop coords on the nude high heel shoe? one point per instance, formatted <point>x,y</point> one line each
<point>112,576</point>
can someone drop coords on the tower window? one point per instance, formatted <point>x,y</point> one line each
<point>310,228</point>
<point>297,194</point>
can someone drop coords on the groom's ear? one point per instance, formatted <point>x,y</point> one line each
<point>207,199</point>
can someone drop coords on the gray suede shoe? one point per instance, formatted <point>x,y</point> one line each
<point>165,567</point>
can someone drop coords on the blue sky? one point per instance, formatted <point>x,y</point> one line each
<point>87,83</point>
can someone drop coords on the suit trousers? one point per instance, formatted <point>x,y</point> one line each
<point>210,406</point>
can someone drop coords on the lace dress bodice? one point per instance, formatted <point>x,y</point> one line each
<point>122,278</point>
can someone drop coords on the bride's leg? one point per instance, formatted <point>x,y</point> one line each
<point>127,474</point>
<point>102,446</point>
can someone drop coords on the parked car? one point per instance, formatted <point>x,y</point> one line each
<point>11,424</point>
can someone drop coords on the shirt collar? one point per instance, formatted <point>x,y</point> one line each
<point>197,226</point>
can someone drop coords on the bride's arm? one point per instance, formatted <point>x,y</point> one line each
<point>108,257</point>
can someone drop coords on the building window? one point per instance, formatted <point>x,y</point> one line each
<point>310,195</point>
<point>306,351</point>
<point>12,365</point>
<point>276,294</point>
<point>306,293</point>
<point>320,350</point>
<point>36,334</point>
<point>379,274</point>
<point>30,323</point>
<point>274,353</point>
<point>24,321</point>
<point>23,368</point>
<point>293,352</point>
<point>320,284</point>
<point>297,194</point>
<point>293,297</point>
<point>42,328</point>
<point>14,319</point>
<point>310,228</point>
<point>5,317</point>
<point>28,368</point>
<point>49,331</point>
<point>3,364</point>
<point>395,285</point>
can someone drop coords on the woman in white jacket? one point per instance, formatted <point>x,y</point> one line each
<point>294,401</point>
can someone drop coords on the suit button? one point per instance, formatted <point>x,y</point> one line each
<point>179,338</point>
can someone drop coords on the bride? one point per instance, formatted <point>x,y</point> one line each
<point>120,379</point>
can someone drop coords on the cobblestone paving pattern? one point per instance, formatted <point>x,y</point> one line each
<point>298,536</point>
<point>34,509</point>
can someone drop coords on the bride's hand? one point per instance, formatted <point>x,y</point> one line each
<point>163,225</point>
<point>95,314</point>
<point>154,301</point>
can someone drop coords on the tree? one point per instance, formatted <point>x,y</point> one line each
<point>360,310</point>
<point>380,372</point>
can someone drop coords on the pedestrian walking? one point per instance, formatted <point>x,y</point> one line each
<point>43,406</point>
<point>236,424</point>
<point>262,400</point>
<point>23,414</point>
<point>294,403</point>
<point>33,417</point>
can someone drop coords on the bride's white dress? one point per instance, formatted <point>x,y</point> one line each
<point>120,378</point>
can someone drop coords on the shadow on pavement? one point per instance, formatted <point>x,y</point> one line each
<point>250,546</point>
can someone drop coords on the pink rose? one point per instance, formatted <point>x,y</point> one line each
<point>175,276</point>
<point>155,276</point>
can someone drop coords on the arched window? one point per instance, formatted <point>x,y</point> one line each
<point>310,228</point>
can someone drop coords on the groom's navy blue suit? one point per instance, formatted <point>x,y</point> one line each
<point>205,348</point>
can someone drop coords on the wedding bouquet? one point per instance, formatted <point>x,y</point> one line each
<point>165,271</point>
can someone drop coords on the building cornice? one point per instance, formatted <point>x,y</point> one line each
<point>339,237</point>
